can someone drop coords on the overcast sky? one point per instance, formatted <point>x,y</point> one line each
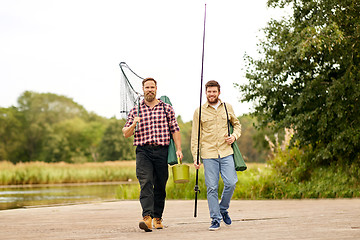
<point>74,47</point>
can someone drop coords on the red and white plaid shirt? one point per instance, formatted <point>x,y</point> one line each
<point>153,126</point>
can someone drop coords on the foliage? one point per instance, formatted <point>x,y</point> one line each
<point>50,128</point>
<point>300,179</point>
<point>252,143</point>
<point>40,112</point>
<point>297,177</point>
<point>50,173</point>
<point>260,181</point>
<point>11,134</point>
<point>72,140</point>
<point>185,131</point>
<point>308,78</point>
<point>113,145</point>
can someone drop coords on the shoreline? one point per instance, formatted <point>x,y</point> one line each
<point>66,184</point>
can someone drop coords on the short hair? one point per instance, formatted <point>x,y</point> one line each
<point>149,79</point>
<point>212,83</point>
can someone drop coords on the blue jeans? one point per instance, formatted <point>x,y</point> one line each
<point>224,166</point>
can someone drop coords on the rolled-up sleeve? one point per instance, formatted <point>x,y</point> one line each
<point>174,126</point>
<point>130,118</point>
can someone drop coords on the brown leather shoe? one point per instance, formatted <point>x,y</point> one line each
<point>145,224</point>
<point>158,224</point>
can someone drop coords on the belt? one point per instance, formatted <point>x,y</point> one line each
<point>153,145</point>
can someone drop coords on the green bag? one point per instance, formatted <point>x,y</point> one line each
<point>172,158</point>
<point>239,162</point>
<point>238,158</point>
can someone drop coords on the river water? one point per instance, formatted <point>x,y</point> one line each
<point>12,197</point>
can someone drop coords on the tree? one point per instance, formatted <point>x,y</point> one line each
<point>41,111</point>
<point>252,143</point>
<point>11,138</point>
<point>113,145</point>
<point>308,77</point>
<point>185,132</point>
<point>72,140</point>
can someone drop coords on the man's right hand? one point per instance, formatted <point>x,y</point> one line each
<point>129,131</point>
<point>136,120</point>
<point>197,166</point>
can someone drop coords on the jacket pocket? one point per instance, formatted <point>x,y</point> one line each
<point>208,123</point>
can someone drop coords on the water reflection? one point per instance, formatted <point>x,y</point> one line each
<point>29,196</point>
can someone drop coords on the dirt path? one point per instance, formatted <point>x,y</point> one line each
<point>252,219</point>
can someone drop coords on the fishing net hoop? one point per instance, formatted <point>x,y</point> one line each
<point>130,87</point>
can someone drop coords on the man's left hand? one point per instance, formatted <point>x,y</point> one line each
<point>179,155</point>
<point>230,139</point>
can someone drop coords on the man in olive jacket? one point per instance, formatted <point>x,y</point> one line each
<point>216,151</point>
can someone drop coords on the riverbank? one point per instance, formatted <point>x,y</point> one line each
<point>31,173</point>
<point>67,184</point>
<point>252,219</point>
<point>259,181</point>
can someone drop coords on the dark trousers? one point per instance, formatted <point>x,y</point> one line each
<point>152,173</point>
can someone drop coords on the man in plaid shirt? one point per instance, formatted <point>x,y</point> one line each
<point>156,121</point>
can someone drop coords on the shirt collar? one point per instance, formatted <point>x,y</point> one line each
<point>208,105</point>
<point>142,103</point>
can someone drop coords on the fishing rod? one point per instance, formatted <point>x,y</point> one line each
<point>196,189</point>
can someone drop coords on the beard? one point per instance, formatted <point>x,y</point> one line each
<point>150,96</point>
<point>213,100</point>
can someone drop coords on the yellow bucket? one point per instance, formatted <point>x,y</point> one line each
<point>180,173</point>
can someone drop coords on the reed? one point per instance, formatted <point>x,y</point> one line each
<point>52,173</point>
<point>244,188</point>
<point>259,181</point>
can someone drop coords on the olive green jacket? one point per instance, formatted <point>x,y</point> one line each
<point>213,130</point>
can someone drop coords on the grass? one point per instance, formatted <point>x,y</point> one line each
<point>259,181</point>
<point>244,190</point>
<point>52,173</point>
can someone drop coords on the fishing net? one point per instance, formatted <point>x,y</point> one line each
<point>130,87</point>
